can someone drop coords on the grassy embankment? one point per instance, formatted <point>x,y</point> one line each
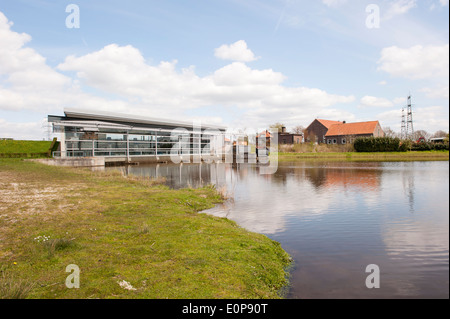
<point>128,231</point>
<point>26,149</point>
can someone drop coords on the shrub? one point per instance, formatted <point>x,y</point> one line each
<point>380,144</point>
<point>405,145</point>
<point>426,146</point>
<point>389,144</point>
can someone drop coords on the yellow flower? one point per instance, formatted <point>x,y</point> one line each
<point>15,263</point>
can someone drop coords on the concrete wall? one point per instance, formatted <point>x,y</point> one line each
<point>73,162</point>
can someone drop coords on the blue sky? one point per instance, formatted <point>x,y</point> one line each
<point>245,64</point>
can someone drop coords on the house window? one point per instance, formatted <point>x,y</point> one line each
<point>334,141</point>
<point>329,141</point>
<point>344,141</point>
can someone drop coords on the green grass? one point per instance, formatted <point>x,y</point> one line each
<point>363,156</point>
<point>26,147</point>
<point>121,229</point>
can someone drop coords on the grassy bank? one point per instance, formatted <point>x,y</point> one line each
<point>26,149</point>
<point>12,146</point>
<point>131,238</point>
<point>372,156</point>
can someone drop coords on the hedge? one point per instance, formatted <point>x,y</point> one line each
<point>380,144</point>
<point>390,144</point>
<point>426,146</point>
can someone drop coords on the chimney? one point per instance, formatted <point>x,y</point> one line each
<point>344,122</point>
<point>283,129</point>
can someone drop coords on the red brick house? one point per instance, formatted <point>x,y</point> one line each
<point>346,133</point>
<point>263,139</point>
<point>317,130</point>
<point>289,138</point>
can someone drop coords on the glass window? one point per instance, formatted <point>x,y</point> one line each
<point>134,137</point>
<point>116,137</point>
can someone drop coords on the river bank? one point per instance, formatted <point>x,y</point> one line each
<point>362,156</point>
<point>130,237</point>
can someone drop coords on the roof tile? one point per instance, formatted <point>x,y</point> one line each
<point>352,128</point>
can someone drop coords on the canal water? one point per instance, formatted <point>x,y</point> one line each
<point>336,218</point>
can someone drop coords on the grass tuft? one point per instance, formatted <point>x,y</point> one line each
<point>12,287</point>
<point>57,244</point>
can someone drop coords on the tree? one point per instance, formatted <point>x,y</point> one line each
<point>440,133</point>
<point>310,137</point>
<point>388,132</point>
<point>277,126</point>
<point>421,133</point>
<point>298,129</point>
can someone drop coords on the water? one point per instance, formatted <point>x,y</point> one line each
<point>336,218</point>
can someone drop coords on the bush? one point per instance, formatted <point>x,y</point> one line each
<point>405,145</point>
<point>426,146</point>
<point>389,144</point>
<point>380,144</point>
<point>441,146</point>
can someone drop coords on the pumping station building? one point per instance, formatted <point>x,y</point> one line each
<point>124,138</point>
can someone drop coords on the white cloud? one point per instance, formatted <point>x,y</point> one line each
<point>29,82</point>
<point>443,2</point>
<point>441,92</point>
<point>23,130</point>
<point>127,83</point>
<point>399,100</point>
<point>372,101</point>
<point>238,74</point>
<point>380,102</point>
<point>429,118</point>
<point>417,62</point>
<point>237,51</point>
<point>334,3</point>
<point>399,7</point>
<point>112,70</point>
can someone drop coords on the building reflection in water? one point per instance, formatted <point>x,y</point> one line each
<point>335,218</point>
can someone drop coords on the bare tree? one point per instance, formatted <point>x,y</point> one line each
<point>388,132</point>
<point>421,133</point>
<point>277,126</point>
<point>440,133</point>
<point>298,129</point>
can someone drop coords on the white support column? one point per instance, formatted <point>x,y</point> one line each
<point>128,147</point>
<point>63,144</point>
<point>156,143</point>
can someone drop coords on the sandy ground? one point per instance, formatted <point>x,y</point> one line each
<point>19,200</point>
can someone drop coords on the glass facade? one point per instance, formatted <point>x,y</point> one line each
<point>83,141</point>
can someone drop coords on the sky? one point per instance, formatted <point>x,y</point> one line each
<point>243,64</point>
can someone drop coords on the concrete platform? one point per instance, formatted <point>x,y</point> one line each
<point>73,162</point>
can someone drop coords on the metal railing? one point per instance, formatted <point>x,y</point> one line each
<point>123,153</point>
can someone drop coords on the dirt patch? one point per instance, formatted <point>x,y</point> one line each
<point>20,199</point>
